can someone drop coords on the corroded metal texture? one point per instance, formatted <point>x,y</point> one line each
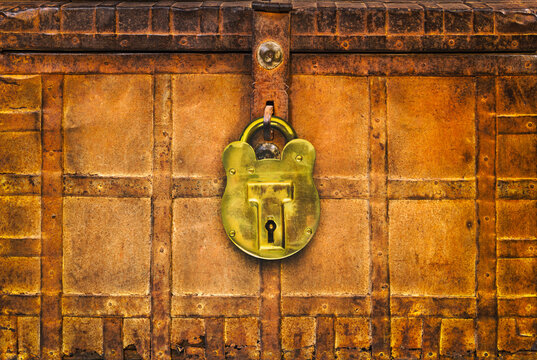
<point>271,85</point>
<point>417,26</point>
<point>426,246</point>
<point>111,245</point>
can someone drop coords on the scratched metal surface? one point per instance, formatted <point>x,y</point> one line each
<point>111,245</point>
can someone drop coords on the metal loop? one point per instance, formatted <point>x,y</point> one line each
<point>267,130</point>
<point>275,122</point>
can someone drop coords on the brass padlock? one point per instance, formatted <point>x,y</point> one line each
<point>270,208</point>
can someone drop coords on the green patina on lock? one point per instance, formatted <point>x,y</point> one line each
<point>270,208</point>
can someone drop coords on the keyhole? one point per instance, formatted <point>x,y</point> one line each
<point>270,226</point>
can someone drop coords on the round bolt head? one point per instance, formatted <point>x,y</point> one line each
<point>232,171</point>
<point>269,55</point>
<point>232,233</point>
<point>299,158</point>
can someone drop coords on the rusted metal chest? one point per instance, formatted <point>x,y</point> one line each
<point>113,119</point>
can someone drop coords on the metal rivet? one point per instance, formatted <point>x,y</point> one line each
<point>309,231</point>
<point>232,233</point>
<point>232,171</point>
<point>299,158</point>
<point>251,170</point>
<point>269,55</point>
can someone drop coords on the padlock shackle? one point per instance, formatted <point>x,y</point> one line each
<point>277,123</point>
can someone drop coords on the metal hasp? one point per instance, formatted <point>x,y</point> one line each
<point>270,208</point>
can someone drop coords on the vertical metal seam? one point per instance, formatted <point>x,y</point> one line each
<point>369,209</point>
<point>152,212</point>
<point>170,267</point>
<point>378,224</point>
<point>477,150</point>
<point>51,191</point>
<point>496,90</point>
<point>41,219</point>
<point>486,140</point>
<point>162,225</point>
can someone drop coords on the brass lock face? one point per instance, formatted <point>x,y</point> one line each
<point>270,208</point>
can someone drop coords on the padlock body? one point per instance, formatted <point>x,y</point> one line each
<point>270,207</point>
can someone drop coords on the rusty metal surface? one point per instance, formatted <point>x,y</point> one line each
<point>413,257</point>
<point>271,85</point>
<point>368,26</point>
<point>111,245</point>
